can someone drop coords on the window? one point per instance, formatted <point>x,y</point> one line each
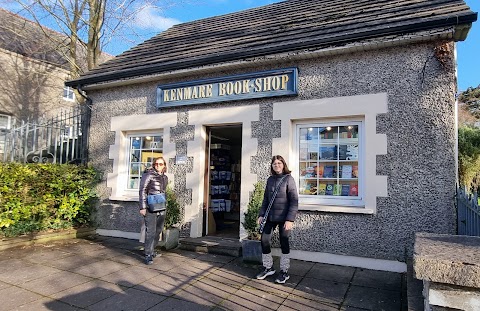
<point>4,122</point>
<point>68,93</point>
<point>330,163</point>
<point>142,150</point>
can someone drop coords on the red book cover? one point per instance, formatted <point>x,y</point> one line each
<point>353,190</point>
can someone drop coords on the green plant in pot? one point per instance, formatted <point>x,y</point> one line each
<point>171,233</point>
<point>251,249</point>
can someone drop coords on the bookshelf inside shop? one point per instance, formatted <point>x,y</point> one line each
<point>224,187</point>
<point>329,161</point>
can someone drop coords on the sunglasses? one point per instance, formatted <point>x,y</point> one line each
<point>159,164</point>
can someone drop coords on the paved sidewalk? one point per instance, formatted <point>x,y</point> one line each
<point>108,274</point>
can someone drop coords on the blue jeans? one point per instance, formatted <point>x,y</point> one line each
<point>153,227</point>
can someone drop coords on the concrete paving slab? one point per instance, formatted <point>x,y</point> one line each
<point>4,285</point>
<point>131,300</point>
<point>377,279</point>
<point>303,304</point>
<point>55,283</point>
<point>13,297</point>
<point>373,298</point>
<point>331,272</point>
<point>11,264</point>
<point>100,268</point>
<point>179,304</point>
<point>46,304</point>
<point>182,280</point>
<point>130,276</point>
<point>324,291</point>
<point>280,290</point>
<point>299,267</point>
<point>166,284</point>
<point>71,262</point>
<point>28,273</point>
<point>88,293</point>
<point>252,299</point>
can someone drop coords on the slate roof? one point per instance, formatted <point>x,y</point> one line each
<point>286,26</point>
<point>26,38</point>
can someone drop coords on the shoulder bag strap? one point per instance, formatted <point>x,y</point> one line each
<point>264,220</point>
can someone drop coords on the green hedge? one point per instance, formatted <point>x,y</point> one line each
<point>35,197</point>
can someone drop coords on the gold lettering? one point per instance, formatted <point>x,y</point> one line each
<point>221,89</point>
<point>209,90</point>
<point>246,86</point>
<point>202,91</point>
<point>237,87</point>
<point>195,93</point>
<point>276,83</point>
<point>284,81</point>
<point>267,86</point>
<point>187,93</point>
<point>173,95</point>
<point>166,96</point>
<point>179,94</point>
<point>258,85</point>
<point>229,88</point>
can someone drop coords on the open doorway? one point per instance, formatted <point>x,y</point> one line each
<point>223,181</point>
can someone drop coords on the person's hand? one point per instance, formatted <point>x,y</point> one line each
<point>288,225</point>
<point>143,212</point>
<point>259,220</point>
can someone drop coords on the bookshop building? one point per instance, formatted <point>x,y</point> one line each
<point>366,122</point>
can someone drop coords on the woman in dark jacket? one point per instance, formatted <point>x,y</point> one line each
<point>154,181</point>
<point>282,214</point>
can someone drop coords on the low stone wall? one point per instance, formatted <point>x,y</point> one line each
<point>44,237</point>
<point>449,266</point>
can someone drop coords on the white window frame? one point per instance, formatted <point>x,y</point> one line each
<point>331,200</point>
<point>9,121</point>
<point>70,94</point>
<point>128,152</point>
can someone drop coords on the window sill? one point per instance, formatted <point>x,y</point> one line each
<point>124,198</point>
<point>336,209</point>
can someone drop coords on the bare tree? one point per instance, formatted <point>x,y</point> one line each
<point>87,25</point>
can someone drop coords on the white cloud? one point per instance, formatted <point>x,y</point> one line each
<point>149,18</point>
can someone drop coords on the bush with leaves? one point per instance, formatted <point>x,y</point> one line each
<point>469,156</point>
<point>35,197</point>
<point>173,216</point>
<point>251,215</point>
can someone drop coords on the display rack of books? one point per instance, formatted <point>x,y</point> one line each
<point>329,161</point>
<point>224,186</point>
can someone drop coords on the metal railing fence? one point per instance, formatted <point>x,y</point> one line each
<point>60,139</point>
<point>468,212</point>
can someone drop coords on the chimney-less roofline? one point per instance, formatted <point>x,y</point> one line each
<point>212,59</point>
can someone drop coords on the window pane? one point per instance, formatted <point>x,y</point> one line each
<point>329,160</point>
<point>142,149</point>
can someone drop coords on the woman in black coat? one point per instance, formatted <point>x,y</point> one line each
<point>154,181</point>
<point>282,214</point>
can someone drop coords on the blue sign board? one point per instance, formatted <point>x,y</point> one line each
<point>255,85</point>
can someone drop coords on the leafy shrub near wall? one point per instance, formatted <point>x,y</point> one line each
<point>35,197</point>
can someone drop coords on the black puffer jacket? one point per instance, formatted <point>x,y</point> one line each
<point>285,205</point>
<point>152,182</point>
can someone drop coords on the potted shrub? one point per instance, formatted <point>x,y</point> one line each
<point>171,233</point>
<point>251,248</point>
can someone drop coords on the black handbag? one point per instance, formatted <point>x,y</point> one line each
<point>264,220</point>
<point>156,202</point>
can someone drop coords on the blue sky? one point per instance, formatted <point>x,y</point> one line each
<point>150,22</point>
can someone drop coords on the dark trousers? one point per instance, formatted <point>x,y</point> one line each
<point>267,236</point>
<point>153,227</point>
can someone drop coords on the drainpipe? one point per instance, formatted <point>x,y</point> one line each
<point>86,124</point>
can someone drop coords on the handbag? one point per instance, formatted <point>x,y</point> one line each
<point>264,220</point>
<point>156,202</point>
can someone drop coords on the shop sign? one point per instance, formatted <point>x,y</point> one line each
<point>240,87</point>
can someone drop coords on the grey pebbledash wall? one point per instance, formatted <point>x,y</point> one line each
<point>420,163</point>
